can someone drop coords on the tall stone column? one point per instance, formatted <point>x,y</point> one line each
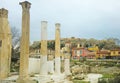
<point>43,58</point>
<point>9,44</point>
<point>24,44</point>
<point>57,49</point>
<point>5,44</point>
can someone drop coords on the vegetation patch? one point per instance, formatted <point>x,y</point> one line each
<point>80,81</point>
<point>108,76</point>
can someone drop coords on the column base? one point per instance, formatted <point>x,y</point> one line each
<point>25,80</point>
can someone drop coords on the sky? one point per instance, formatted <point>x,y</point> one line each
<point>97,19</point>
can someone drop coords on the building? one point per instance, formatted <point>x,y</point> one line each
<point>81,52</point>
<point>115,53</point>
<point>93,48</point>
<point>91,55</point>
<point>103,54</point>
<point>108,54</point>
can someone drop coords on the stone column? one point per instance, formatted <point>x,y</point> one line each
<point>9,46</point>
<point>5,44</point>
<point>67,64</point>
<point>62,60</point>
<point>66,60</point>
<point>43,58</point>
<point>50,62</point>
<point>24,44</point>
<point>57,49</point>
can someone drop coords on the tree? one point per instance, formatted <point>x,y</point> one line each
<point>15,43</point>
<point>15,36</point>
<point>51,45</point>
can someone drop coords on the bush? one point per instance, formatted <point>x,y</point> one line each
<point>109,64</point>
<point>117,79</point>
<point>109,80</point>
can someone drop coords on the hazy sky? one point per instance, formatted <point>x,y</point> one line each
<point>79,18</point>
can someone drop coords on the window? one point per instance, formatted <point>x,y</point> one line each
<point>75,57</point>
<point>114,52</point>
<point>80,52</point>
<point>75,51</point>
<point>119,52</point>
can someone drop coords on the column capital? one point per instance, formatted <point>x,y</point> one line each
<point>25,5</point>
<point>44,22</point>
<point>57,24</point>
<point>3,13</point>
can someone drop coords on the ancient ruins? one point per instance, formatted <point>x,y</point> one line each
<point>46,63</point>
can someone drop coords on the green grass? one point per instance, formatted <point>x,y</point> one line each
<point>74,60</point>
<point>108,76</point>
